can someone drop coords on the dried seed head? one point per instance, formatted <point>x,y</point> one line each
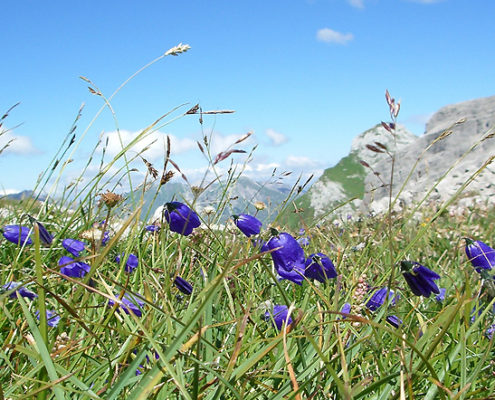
<point>151,170</point>
<point>166,177</point>
<point>110,199</point>
<point>175,51</point>
<point>197,190</point>
<point>259,205</point>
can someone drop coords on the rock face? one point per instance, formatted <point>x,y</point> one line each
<point>439,163</point>
<point>340,189</point>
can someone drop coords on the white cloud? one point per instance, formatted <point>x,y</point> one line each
<point>21,145</point>
<point>220,142</point>
<point>5,192</point>
<point>356,3</point>
<point>276,138</point>
<point>328,35</point>
<point>155,143</point>
<point>299,162</point>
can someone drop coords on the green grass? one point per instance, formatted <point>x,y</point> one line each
<point>215,343</point>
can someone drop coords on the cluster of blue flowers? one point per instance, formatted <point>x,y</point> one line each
<point>287,254</point>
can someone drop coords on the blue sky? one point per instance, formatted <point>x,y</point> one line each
<point>306,76</point>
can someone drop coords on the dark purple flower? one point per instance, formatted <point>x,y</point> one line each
<point>419,278</point>
<point>481,256</point>
<point>378,298</point>
<point>152,228</point>
<point>45,236</point>
<point>183,285</point>
<point>52,318</point>
<point>288,259</point>
<point>17,234</point>
<point>181,218</point>
<point>131,262</point>
<point>440,297</point>
<point>247,224</point>
<point>130,303</point>
<point>73,246</point>
<point>19,289</point>
<point>320,268</point>
<point>279,316</point>
<point>394,320</point>
<point>72,268</point>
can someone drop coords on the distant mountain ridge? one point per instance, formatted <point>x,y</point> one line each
<point>239,197</point>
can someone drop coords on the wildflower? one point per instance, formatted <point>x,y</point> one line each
<point>346,309</point>
<point>419,278</point>
<point>279,316</point>
<point>181,218</point>
<point>248,224</point>
<point>152,228</point>
<point>320,268</point>
<point>378,298</point>
<point>52,318</point>
<point>303,241</point>
<point>481,256</point>
<point>72,268</point>
<point>183,285</point>
<point>490,331</point>
<point>440,297</point>
<point>17,234</point>
<point>17,288</point>
<point>130,264</point>
<point>288,259</point>
<point>394,320</point>
<point>105,238</point>
<point>130,303</point>
<point>73,246</point>
<point>45,236</point>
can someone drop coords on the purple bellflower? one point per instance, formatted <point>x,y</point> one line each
<point>419,278</point>
<point>16,286</point>
<point>73,246</point>
<point>288,259</point>
<point>279,316</point>
<point>346,309</point>
<point>17,234</point>
<point>130,303</point>
<point>45,236</point>
<point>378,298</point>
<point>52,318</point>
<point>183,285</point>
<point>320,268</point>
<point>440,297</point>
<point>131,263</point>
<point>394,320</point>
<point>181,218</point>
<point>72,268</point>
<point>247,224</point>
<point>152,228</point>
<point>481,256</point>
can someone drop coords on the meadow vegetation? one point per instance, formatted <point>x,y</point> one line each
<point>188,309</point>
